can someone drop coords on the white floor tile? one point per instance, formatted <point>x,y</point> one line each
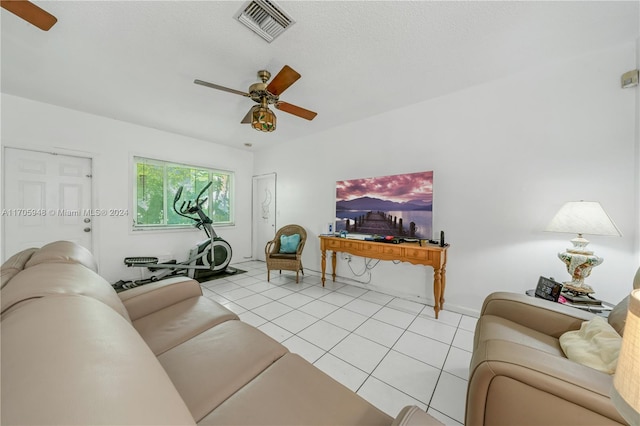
<point>330,285</point>
<point>434,329</point>
<point>307,350</point>
<point>323,334</point>
<point>221,286</point>
<point>468,323</point>
<point>251,318</point>
<point>253,301</point>
<point>409,375</point>
<point>446,398</point>
<point>345,319</point>
<point>463,340</point>
<point>385,397</point>
<point>234,307</point>
<point>315,291</point>
<point>377,297</point>
<point>295,300</point>
<point>422,348</point>
<point>277,333</point>
<point>236,294</point>
<point>245,280</point>
<point>394,317</point>
<point>457,363</point>
<point>406,306</point>
<point>294,321</point>
<point>446,317</point>
<point>318,308</point>
<point>337,299</point>
<point>272,310</point>
<point>446,420</point>
<point>380,332</point>
<point>360,352</point>
<point>352,290</point>
<point>277,293</point>
<point>363,307</point>
<point>341,371</point>
<point>260,286</point>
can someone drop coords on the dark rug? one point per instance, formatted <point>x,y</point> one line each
<point>210,276</point>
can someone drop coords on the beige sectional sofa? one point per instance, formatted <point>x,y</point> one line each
<point>76,352</point>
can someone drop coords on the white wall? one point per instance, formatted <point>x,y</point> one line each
<point>506,155</point>
<point>111,144</point>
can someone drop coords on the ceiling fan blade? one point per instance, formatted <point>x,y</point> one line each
<point>285,78</point>
<point>296,110</point>
<point>247,118</point>
<point>225,89</point>
<point>30,13</point>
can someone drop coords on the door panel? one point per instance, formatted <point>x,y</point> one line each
<point>264,213</point>
<point>47,197</point>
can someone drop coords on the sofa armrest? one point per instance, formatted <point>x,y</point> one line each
<point>149,298</point>
<point>550,318</point>
<point>412,415</point>
<point>509,382</point>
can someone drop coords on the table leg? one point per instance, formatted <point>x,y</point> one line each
<point>443,287</point>
<point>333,264</point>
<point>437,290</point>
<point>323,264</point>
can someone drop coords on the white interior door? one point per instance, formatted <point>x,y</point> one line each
<point>264,212</point>
<point>47,197</point>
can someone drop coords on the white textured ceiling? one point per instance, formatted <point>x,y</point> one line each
<point>136,60</point>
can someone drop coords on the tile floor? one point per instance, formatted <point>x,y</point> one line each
<point>391,351</point>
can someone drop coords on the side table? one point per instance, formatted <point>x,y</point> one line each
<point>602,309</point>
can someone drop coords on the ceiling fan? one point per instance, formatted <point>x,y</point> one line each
<point>30,13</point>
<point>260,116</point>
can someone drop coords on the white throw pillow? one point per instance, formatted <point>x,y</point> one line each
<point>595,345</point>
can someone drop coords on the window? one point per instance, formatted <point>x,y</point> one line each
<point>157,182</point>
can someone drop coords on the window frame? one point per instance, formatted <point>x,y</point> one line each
<point>168,201</point>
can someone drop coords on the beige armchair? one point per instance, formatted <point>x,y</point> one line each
<point>519,373</point>
<point>278,257</point>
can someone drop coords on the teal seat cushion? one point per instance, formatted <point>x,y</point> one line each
<point>289,243</point>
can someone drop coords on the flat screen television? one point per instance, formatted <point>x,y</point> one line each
<point>397,205</point>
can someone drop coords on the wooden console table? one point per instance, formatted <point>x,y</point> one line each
<point>427,254</point>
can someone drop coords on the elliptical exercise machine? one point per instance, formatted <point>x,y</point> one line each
<point>207,258</point>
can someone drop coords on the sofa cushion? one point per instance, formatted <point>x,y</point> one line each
<point>72,360</point>
<point>490,327</point>
<point>149,298</point>
<point>175,324</point>
<point>48,279</point>
<point>596,345</point>
<point>63,252</point>
<point>221,361</point>
<point>15,264</point>
<point>294,392</point>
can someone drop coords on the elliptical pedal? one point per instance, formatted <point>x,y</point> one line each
<point>133,261</point>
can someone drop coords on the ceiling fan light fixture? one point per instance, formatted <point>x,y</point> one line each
<point>263,119</point>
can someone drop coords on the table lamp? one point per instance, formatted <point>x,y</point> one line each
<point>625,393</point>
<point>581,217</point>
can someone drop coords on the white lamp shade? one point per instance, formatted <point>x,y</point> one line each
<point>583,217</point>
<point>626,382</point>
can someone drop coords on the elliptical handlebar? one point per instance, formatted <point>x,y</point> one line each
<point>189,209</point>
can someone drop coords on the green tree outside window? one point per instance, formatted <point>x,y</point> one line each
<point>157,182</point>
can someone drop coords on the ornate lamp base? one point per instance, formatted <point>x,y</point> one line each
<point>579,266</point>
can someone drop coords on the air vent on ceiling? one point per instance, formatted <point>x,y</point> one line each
<point>265,18</point>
